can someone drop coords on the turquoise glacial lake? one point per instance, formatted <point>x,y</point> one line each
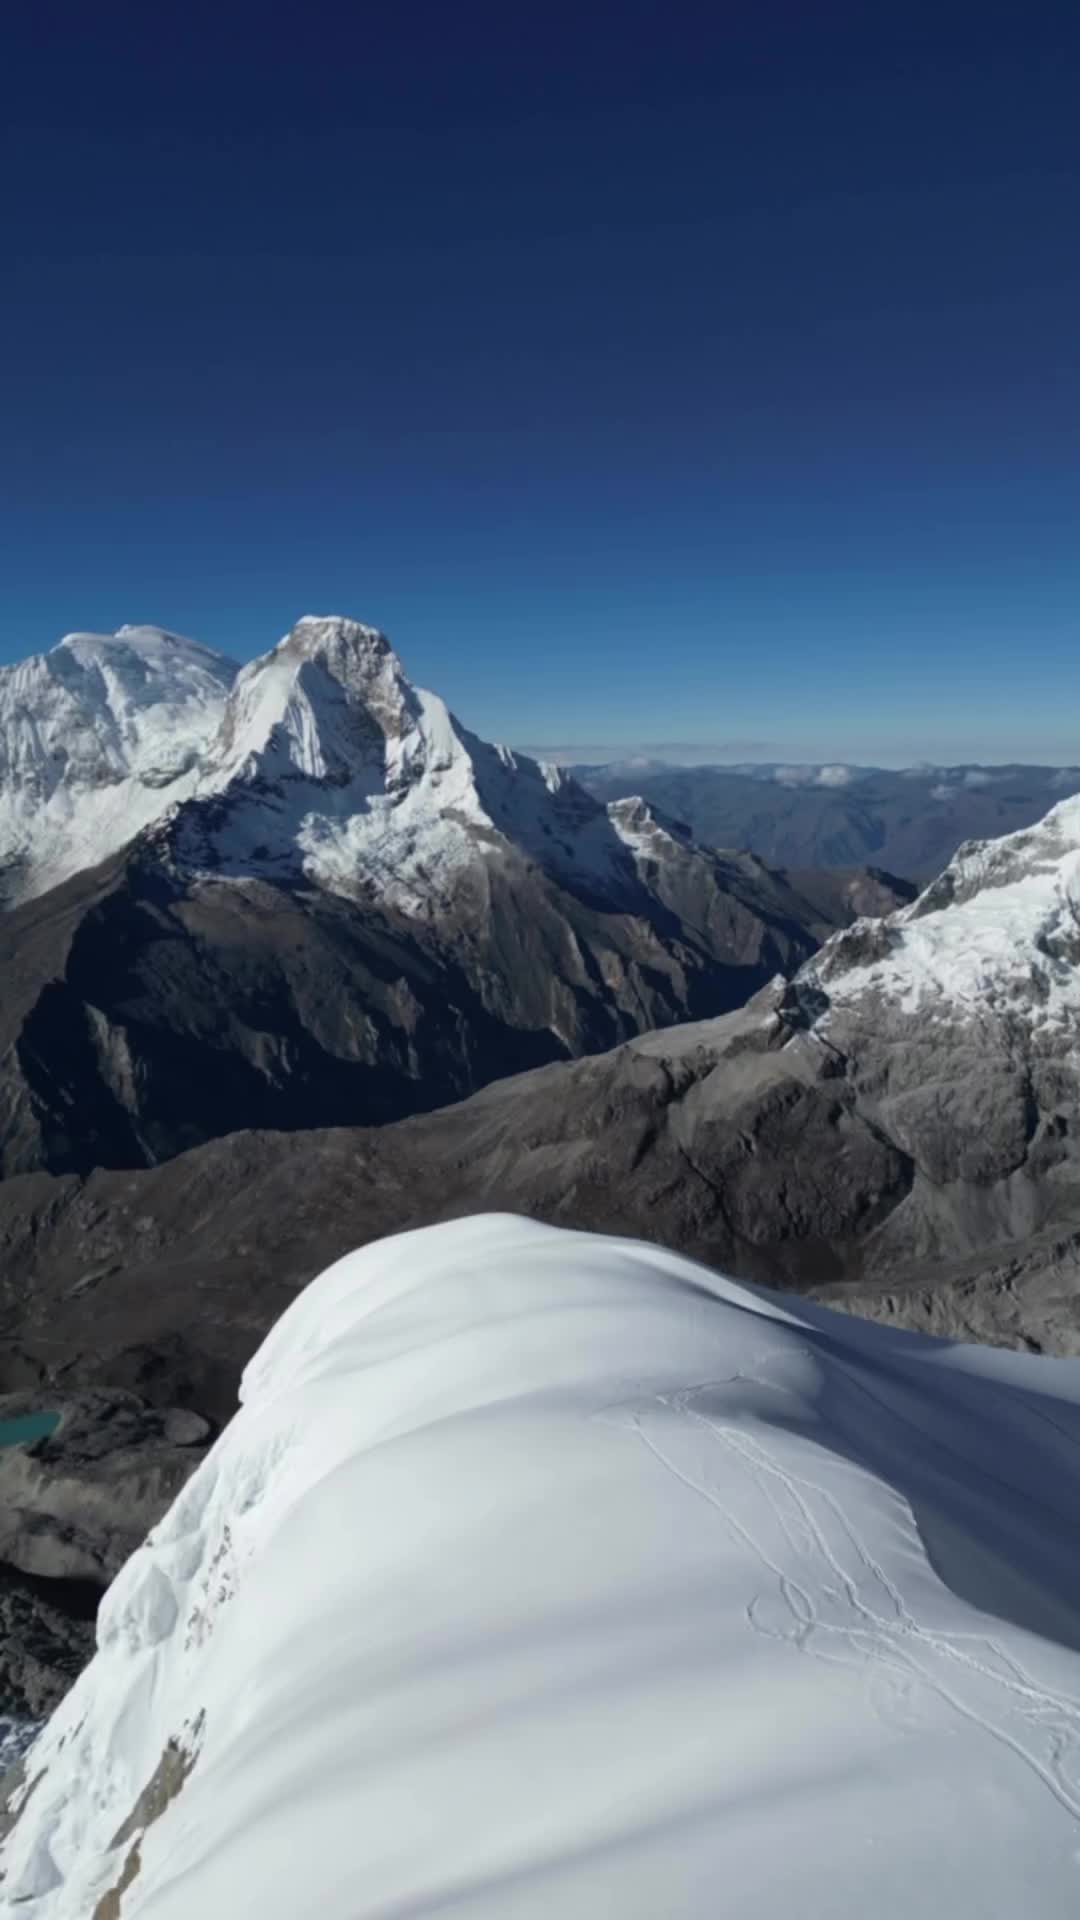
<point>27,1426</point>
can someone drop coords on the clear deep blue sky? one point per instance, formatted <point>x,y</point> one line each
<point>652,373</point>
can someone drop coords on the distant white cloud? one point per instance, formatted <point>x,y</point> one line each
<point>977,777</point>
<point>943,792</point>
<point>1066,779</point>
<point>827,776</point>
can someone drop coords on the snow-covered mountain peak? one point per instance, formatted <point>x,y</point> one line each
<point>95,737</point>
<point>330,759</point>
<point>998,934</point>
<point>320,758</point>
<point>162,653</point>
<point>330,700</point>
<point>140,695</point>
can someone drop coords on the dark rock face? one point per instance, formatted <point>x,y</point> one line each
<point>864,1163</point>
<point>736,1140</point>
<point>46,1639</point>
<point>145,1012</point>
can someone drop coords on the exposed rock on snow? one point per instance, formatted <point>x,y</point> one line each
<point>542,1573</point>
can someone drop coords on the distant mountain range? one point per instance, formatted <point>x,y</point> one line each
<point>300,893</point>
<point>910,822</point>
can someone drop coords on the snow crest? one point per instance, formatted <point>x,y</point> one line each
<point>546,1573</point>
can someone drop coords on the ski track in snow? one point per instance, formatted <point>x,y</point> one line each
<point>892,1638</point>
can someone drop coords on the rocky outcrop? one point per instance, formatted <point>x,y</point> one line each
<point>73,1507</point>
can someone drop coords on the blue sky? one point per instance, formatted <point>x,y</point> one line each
<point>652,373</point>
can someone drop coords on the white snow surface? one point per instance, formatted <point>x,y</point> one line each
<point>547,1574</point>
<point>997,934</point>
<point>97,738</point>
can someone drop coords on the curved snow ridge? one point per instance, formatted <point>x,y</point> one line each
<point>548,1573</point>
<point>998,933</point>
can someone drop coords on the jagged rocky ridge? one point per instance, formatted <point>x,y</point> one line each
<point>344,908</point>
